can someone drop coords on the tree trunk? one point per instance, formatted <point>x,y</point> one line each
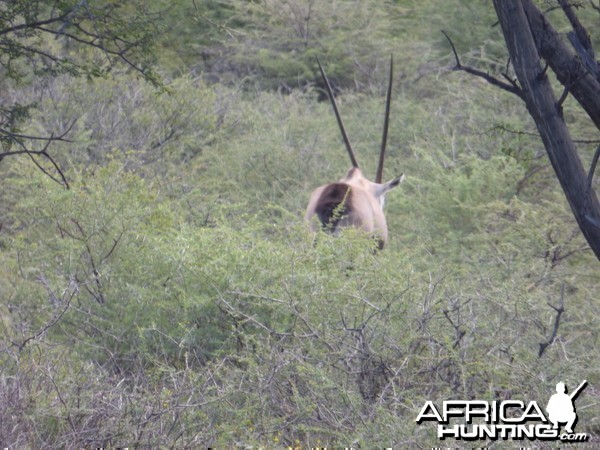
<point>582,82</point>
<point>519,28</point>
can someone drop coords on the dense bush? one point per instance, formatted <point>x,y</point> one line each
<point>173,297</point>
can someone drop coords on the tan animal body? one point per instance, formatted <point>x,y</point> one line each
<point>353,201</point>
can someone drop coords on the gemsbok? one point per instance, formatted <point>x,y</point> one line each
<point>353,201</point>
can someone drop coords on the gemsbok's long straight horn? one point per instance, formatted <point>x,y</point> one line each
<point>386,122</point>
<point>354,201</point>
<point>338,116</point>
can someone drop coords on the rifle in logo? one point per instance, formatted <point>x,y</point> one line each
<point>561,408</point>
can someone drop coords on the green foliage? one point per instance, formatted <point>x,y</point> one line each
<point>172,297</point>
<point>41,40</point>
<point>274,43</point>
<point>115,30</point>
<point>122,115</point>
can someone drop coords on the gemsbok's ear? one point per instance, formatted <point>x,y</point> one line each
<point>386,187</point>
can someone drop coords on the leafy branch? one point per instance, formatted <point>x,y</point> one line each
<point>122,32</point>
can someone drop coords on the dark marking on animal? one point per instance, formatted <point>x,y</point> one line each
<point>333,205</point>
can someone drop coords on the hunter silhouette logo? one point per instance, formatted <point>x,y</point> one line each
<point>561,408</point>
<point>507,419</point>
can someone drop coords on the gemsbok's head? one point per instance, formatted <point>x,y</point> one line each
<point>353,201</point>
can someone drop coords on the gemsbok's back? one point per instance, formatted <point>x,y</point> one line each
<point>353,201</point>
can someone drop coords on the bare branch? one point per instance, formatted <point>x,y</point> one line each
<point>500,127</point>
<point>459,333</point>
<point>563,96</point>
<point>590,176</point>
<point>63,180</point>
<point>559,312</point>
<point>25,150</point>
<point>99,293</point>
<point>32,153</point>
<point>512,81</point>
<point>65,301</point>
<point>512,88</point>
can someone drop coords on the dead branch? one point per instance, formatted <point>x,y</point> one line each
<point>460,333</point>
<point>559,312</point>
<point>99,294</point>
<point>563,96</point>
<point>513,88</point>
<point>504,128</point>
<point>590,176</point>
